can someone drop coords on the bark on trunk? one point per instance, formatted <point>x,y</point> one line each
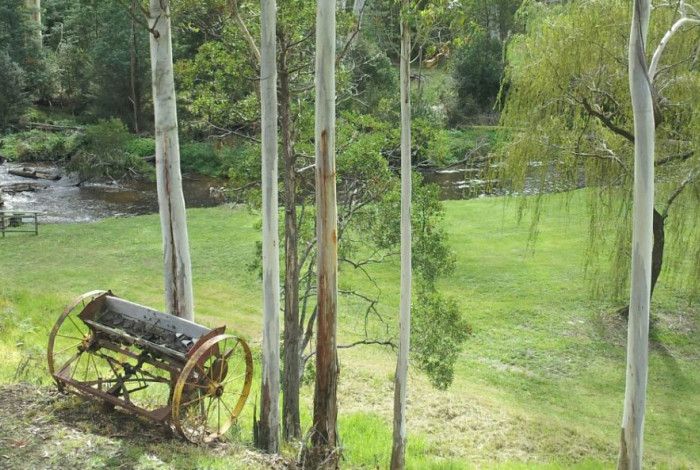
<point>657,253</point>
<point>171,201</point>
<point>400,386</point>
<point>632,432</point>
<point>291,425</point>
<point>268,426</point>
<point>657,257</point>
<point>322,452</point>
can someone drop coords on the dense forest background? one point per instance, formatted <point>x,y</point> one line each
<point>93,67</point>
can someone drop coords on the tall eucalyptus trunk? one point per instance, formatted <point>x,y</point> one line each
<point>322,452</point>
<point>358,6</point>
<point>632,434</point>
<point>400,386</point>
<point>291,424</point>
<point>34,7</point>
<point>267,435</point>
<point>134,82</point>
<point>171,201</point>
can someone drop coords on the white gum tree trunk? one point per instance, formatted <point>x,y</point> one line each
<point>400,385</point>
<point>358,6</point>
<point>34,7</point>
<point>268,426</point>
<point>171,201</point>
<point>632,435</point>
<point>324,437</point>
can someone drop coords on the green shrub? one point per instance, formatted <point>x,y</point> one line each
<point>200,157</point>
<point>106,136</point>
<point>141,146</point>
<point>13,99</point>
<point>207,159</point>
<point>477,76</point>
<point>105,154</point>
<point>204,158</point>
<point>36,145</point>
<point>437,336</point>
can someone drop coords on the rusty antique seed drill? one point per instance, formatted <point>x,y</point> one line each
<point>156,365</point>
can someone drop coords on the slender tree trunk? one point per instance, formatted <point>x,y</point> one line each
<point>171,201</point>
<point>134,69</point>
<point>657,253</point>
<point>632,433</point>
<point>291,425</point>
<point>358,6</point>
<point>324,437</point>
<point>657,257</point>
<point>268,426</point>
<point>398,451</point>
<point>34,7</point>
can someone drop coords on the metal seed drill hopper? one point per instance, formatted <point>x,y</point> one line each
<point>156,365</point>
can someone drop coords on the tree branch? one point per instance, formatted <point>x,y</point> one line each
<point>678,156</point>
<point>689,179</point>
<point>244,30</point>
<point>353,34</point>
<point>605,120</point>
<point>684,20</point>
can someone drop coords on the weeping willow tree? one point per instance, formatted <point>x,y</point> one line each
<point>569,115</point>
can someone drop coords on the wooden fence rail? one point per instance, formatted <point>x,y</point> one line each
<point>19,222</point>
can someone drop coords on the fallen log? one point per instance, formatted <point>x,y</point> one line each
<point>35,174</point>
<point>21,187</point>
<point>51,127</point>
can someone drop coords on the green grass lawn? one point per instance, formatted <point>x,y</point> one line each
<point>539,384</point>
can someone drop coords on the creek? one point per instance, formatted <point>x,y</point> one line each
<point>64,201</point>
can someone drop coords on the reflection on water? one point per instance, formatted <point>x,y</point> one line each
<point>462,182</point>
<point>63,201</point>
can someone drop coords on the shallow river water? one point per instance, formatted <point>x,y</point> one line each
<point>63,201</point>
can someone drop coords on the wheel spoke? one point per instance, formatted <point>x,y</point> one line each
<point>233,349</point>
<point>218,416</point>
<point>69,337</point>
<point>65,349</point>
<point>230,413</point>
<point>77,363</point>
<point>87,368</point>
<point>76,325</point>
<point>201,397</point>
<point>231,379</point>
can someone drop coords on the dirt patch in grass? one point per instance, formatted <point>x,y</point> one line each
<point>41,428</point>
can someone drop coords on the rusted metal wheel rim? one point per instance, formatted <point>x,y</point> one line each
<point>212,389</point>
<point>75,335</point>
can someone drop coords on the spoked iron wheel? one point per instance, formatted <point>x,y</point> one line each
<point>212,388</point>
<point>70,343</point>
<point>76,360</point>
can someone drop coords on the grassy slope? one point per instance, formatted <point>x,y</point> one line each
<point>540,382</point>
